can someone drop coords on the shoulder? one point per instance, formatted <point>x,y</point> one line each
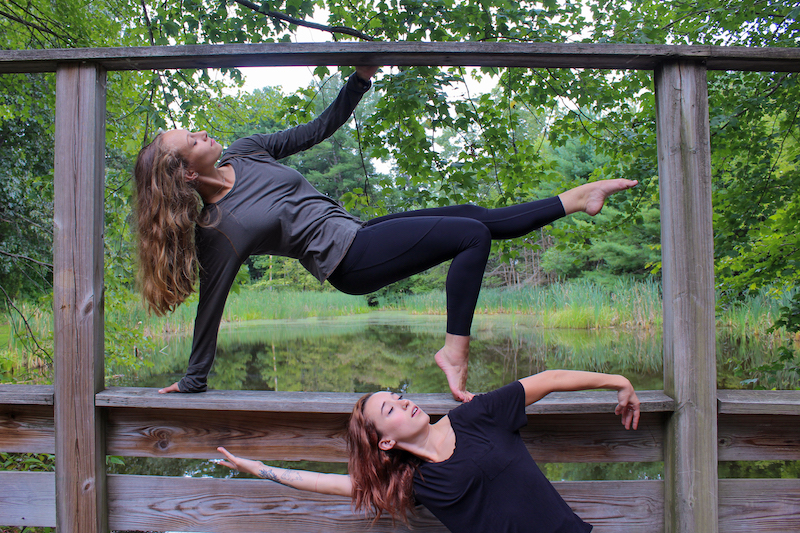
<point>504,406</point>
<point>246,146</point>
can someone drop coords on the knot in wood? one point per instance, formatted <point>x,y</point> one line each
<point>88,306</point>
<point>162,437</point>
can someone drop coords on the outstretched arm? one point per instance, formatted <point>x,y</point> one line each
<point>337,484</point>
<point>540,385</point>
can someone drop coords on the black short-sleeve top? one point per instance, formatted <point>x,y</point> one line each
<point>491,484</point>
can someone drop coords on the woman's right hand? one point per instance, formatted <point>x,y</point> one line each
<point>172,388</point>
<point>366,72</point>
<point>240,464</point>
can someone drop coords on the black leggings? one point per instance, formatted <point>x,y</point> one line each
<point>394,247</point>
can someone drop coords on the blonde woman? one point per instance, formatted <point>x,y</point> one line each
<point>202,210</point>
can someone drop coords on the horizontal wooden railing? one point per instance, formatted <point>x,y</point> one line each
<point>542,55</point>
<point>566,427</point>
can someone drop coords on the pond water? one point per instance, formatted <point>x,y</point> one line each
<point>395,350</point>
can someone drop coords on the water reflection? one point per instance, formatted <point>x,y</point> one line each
<point>395,350</point>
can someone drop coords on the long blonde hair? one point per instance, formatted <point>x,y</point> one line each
<point>167,209</point>
<point>382,480</point>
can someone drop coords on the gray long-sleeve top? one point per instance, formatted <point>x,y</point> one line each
<point>271,209</point>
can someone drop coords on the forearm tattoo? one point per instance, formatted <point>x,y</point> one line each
<point>283,479</point>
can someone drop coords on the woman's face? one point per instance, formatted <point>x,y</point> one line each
<point>397,420</point>
<point>197,148</point>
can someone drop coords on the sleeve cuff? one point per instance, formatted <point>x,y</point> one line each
<point>357,83</point>
<point>183,386</point>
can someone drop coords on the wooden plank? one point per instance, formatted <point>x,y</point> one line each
<point>77,297</point>
<point>759,402</point>
<point>540,55</point>
<point>248,505</point>
<point>684,169</point>
<point>617,506</point>
<point>342,403</point>
<point>320,437</point>
<point>26,394</point>
<point>143,502</point>
<point>759,438</point>
<point>27,429</point>
<point>757,505</point>
<point>28,499</point>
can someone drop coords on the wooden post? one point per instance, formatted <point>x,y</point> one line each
<point>78,298</point>
<point>687,255</point>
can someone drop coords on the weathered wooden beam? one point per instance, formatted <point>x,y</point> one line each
<point>579,402</point>
<point>187,504</point>
<point>247,505</point>
<point>26,394</point>
<point>758,402</point>
<point>759,505</point>
<point>78,297</point>
<point>28,499</point>
<point>758,437</point>
<point>27,429</point>
<point>321,436</point>
<point>684,170</point>
<point>541,55</point>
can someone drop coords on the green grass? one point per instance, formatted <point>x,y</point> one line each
<point>5,335</point>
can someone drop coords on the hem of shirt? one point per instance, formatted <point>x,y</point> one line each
<point>326,275</point>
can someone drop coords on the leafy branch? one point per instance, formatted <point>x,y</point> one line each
<point>47,355</point>
<point>299,22</point>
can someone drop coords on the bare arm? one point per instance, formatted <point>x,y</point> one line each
<point>540,385</point>
<point>336,484</point>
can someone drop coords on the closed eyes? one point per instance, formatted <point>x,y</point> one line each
<point>399,397</point>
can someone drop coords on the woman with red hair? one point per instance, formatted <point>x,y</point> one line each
<point>471,468</point>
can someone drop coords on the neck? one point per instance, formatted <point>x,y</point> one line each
<point>436,444</point>
<point>216,184</point>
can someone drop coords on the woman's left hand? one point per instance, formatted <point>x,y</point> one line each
<point>366,72</point>
<point>628,407</point>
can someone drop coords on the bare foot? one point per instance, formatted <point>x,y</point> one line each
<point>590,197</point>
<point>455,363</point>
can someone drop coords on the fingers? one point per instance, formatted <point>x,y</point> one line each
<point>172,388</point>
<point>231,462</point>
<point>630,413</point>
<point>366,72</point>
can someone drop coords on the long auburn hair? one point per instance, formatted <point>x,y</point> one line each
<point>167,208</point>
<point>382,480</point>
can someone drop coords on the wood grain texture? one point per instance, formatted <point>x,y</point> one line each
<point>541,55</point>
<point>759,402</point>
<point>26,394</point>
<point>684,170</point>
<point>246,505</point>
<point>77,297</point>
<point>759,505</point>
<point>243,505</point>
<point>342,403</point>
<point>28,499</point>
<point>320,437</point>
<point>759,438</point>
<point>27,429</point>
